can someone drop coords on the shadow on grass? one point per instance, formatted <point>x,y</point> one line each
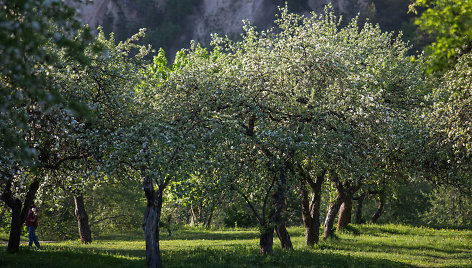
<point>352,245</point>
<point>224,258</point>
<point>65,258</point>
<point>201,257</point>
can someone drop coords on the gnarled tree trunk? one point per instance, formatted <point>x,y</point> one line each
<point>82,219</point>
<point>308,221</point>
<point>346,208</point>
<point>333,207</point>
<point>152,216</point>
<point>193,217</point>
<point>345,194</point>
<point>266,239</point>
<point>283,236</point>
<point>311,210</point>
<point>207,223</point>
<point>380,207</point>
<point>345,211</point>
<point>331,216</point>
<point>275,215</point>
<point>360,202</point>
<point>15,226</point>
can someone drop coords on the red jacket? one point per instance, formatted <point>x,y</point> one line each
<point>32,217</point>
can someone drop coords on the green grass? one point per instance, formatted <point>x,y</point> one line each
<point>360,246</point>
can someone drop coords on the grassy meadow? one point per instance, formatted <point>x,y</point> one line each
<point>360,246</point>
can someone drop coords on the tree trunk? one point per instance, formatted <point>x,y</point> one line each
<point>275,215</point>
<point>283,236</point>
<point>82,219</point>
<point>152,215</point>
<point>210,217</point>
<point>308,221</point>
<point>193,217</point>
<point>332,212</point>
<point>345,193</point>
<point>151,232</point>
<point>266,240</point>
<point>19,212</point>
<point>333,207</point>
<point>315,214</point>
<point>311,211</point>
<point>15,227</point>
<point>379,210</point>
<point>360,202</point>
<point>345,211</point>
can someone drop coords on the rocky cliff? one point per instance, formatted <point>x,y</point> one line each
<point>173,23</point>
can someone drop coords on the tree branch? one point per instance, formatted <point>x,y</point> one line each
<point>266,198</point>
<point>251,206</point>
<point>64,159</point>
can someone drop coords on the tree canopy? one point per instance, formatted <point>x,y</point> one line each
<point>450,23</point>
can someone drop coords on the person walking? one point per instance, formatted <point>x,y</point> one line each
<point>31,224</point>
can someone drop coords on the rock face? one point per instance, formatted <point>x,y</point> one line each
<point>96,12</point>
<point>226,17</point>
<point>205,16</point>
<point>350,7</point>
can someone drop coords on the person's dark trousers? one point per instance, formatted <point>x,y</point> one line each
<point>32,236</point>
